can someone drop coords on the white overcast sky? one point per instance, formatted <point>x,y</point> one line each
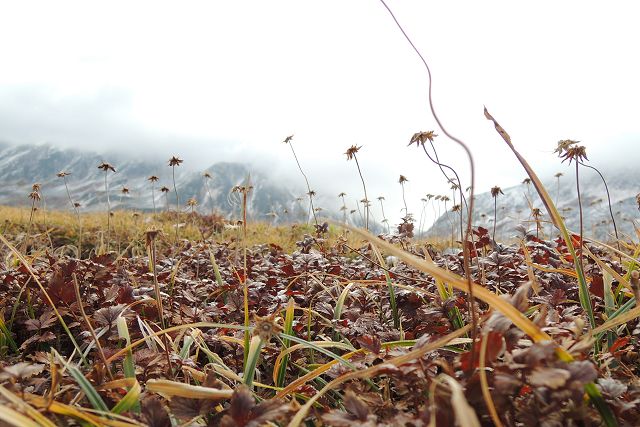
<point>214,80</point>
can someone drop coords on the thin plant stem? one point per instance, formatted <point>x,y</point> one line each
<point>156,286</point>
<point>466,254</point>
<point>91,330</point>
<point>366,208</point>
<point>606,187</point>
<point>106,189</point>
<point>580,213</point>
<point>313,211</point>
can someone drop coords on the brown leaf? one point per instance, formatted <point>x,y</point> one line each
<point>549,377</point>
<point>499,128</point>
<point>154,413</point>
<point>20,370</point>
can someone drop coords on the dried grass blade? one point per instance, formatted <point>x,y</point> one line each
<point>173,388</point>
<point>585,299</point>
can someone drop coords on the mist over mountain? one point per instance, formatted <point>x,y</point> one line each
<point>23,165</point>
<point>513,206</point>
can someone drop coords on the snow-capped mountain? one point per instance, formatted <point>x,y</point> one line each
<point>23,165</point>
<point>513,206</point>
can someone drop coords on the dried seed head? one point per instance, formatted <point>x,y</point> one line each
<point>151,235</point>
<point>165,189</point>
<point>558,175</point>
<point>106,167</point>
<point>495,191</point>
<point>266,327</point>
<point>175,161</point>
<point>192,202</point>
<point>206,175</point>
<point>153,178</point>
<point>125,190</point>
<point>456,208</point>
<point>569,149</point>
<point>342,194</point>
<point>351,151</point>
<point>420,138</point>
<point>526,181</point>
<point>288,139</point>
<point>402,179</point>
<point>62,174</point>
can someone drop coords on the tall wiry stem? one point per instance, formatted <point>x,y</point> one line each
<point>466,253</point>
<point>364,186</point>
<point>288,140</point>
<point>106,190</point>
<point>580,212</point>
<point>606,187</point>
<point>63,175</point>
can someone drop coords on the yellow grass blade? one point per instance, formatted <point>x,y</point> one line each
<point>15,418</point>
<point>173,388</point>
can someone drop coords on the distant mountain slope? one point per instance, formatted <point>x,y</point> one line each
<point>23,165</point>
<point>513,207</point>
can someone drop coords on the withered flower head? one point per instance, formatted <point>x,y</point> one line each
<point>165,189</point>
<point>342,194</point>
<point>151,235</point>
<point>536,212</point>
<point>266,327</point>
<point>381,198</point>
<point>62,174</point>
<point>577,153</point>
<point>526,181</point>
<point>106,167</point>
<point>35,196</point>
<point>564,145</point>
<point>495,191</point>
<point>420,138</point>
<point>311,193</point>
<point>402,179</point>
<point>153,178</point>
<point>192,202</point>
<point>445,198</point>
<point>76,205</point>
<point>125,190</point>
<point>558,175</point>
<point>456,208</point>
<point>35,187</point>
<point>351,152</point>
<point>429,196</point>
<point>288,139</point>
<point>343,208</point>
<point>175,161</point>
<point>352,211</point>
<point>206,175</point>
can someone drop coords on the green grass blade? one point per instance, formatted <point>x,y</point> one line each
<point>129,401</point>
<point>392,293</point>
<point>288,329</point>
<point>88,389</point>
<point>252,359</point>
